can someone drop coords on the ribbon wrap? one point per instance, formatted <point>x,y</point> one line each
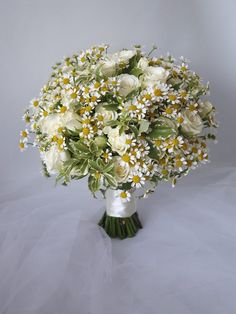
<point>116,207</point>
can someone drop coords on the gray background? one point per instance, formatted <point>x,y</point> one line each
<point>35,34</point>
<point>183,261</point>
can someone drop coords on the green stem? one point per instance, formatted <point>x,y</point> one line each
<point>117,227</point>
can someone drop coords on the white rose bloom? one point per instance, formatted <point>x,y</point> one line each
<point>70,120</point>
<point>117,141</point>
<point>121,171</point>
<point>54,159</point>
<point>205,108</point>
<point>143,63</point>
<point>193,124</point>
<point>152,75</point>
<point>128,83</point>
<point>53,122</point>
<point>107,67</point>
<point>107,114</point>
<point>50,124</point>
<point>126,55</point>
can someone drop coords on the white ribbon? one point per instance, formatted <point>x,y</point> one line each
<point>116,207</point>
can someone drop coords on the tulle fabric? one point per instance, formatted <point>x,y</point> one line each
<point>55,259</point>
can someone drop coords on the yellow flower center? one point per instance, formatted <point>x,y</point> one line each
<point>128,141</point>
<point>158,143</point>
<point>73,95</point>
<point>180,120</point>
<point>97,175</point>
<point>175,142</point>
<point>100,117</point>
<point>88,108</point>
<point>157,92</point>
<point>66,80</point>
<point>179,163</point>
<point>86,131</point>
<point>60,141</point>
<point>54,138</point>
<point>169,110</point>
<point>22,145</point>
<point>126,158</point>
<point>35,103</point>
<point>45,113</point>
<point>93,99</point>
<point>123,194</point>
<point>132,108</point>
<point>148,96</point>
<point>172,97</point>
<point>63,109</point>
<point>24,134</point>
<point>105,155</point>
<point>83,59</point>
<point>165,172</point>
<point>136,179</point>
<point>97,84</point>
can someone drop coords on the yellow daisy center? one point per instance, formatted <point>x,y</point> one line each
<point>66,80</point>
<point>126,158</point>
<point>136,179</point>
<point>123,194</point>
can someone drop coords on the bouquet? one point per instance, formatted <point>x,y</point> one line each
<point>125,120</point>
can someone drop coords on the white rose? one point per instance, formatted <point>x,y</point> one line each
<point>152,75</point>
<point>117,141</point>
<point>126,55</point>
<point>193,124</point>
<point>107,68</point>
<point>70,120</point>
<point>54,159</point>
<point>143,63</point>
<point>205,108</point>
<point>107,114</point>
<point>128,83</point>
<point>121,171</point>
<point>51,124</point>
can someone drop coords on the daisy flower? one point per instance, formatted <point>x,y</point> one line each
<point>22,145</point>
<point>125,196</point>
<point>137,179</point>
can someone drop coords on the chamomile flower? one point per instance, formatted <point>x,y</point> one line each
<point>180,163</point>
<point>107,155</point>
<point>23,145</point>
<point>125,196</point>
<point>159,92</point>
<point>35,103</point>
<point>24,134</point>
<point>137,179</point>
<point>26,117</point>
<point>87,132</point>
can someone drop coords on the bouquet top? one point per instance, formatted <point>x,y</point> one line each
<point>126,120</point>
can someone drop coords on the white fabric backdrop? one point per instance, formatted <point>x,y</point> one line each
<point>53,257</point>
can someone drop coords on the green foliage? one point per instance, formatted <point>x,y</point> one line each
<point>161,131</point>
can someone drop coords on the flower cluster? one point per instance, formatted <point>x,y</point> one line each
<point>126,120</point>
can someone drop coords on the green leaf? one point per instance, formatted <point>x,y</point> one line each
<point>134,130</point>
<point>93,184</point>
<point>93,147</point>
<point>109,167</point>
<point>80,146</point>
<point>111,107</point>
<point>143,126</point>
<point>136,72</point>
<point>110,180</point>
<point>94,165</point>
<point>112,123</point>
<point>161,131</point>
